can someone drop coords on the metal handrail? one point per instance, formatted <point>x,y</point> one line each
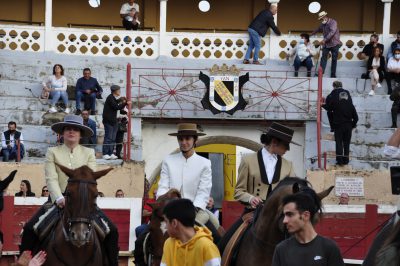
<point>319,105</point>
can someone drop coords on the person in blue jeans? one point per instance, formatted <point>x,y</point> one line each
<point>88,89</point>
<point>258,28</point>
<point>111,107</point>
<point>9,143</point>
<point>56,84</point>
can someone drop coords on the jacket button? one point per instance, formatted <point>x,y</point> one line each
<point>258,189</point>
<point>258,194</point>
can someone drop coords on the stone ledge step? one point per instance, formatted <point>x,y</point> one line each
<point>358,164</point>
<point>373,120</point>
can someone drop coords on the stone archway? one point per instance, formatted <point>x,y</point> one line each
<point>238,141</point>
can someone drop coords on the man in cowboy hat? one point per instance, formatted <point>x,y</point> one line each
<point>331,42</point>
<point>189,173</point>
<point>71,155</point>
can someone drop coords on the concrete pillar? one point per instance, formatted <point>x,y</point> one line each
<point>136,148</point>
<point>163,28</point>
<point>48,26</point>
<point>386,17</point>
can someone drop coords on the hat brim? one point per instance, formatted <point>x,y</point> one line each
<point>187,134</point>
<point>58,128</point>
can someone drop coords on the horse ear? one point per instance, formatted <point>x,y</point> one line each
<point>325,193</point>
<point>295,188</point>
<point>69,172</point>
<point>101,173</point>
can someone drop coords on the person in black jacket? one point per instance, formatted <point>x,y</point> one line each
<point>25,190</point>
<point>3,185</point>
<point>376,69</point>
<point>111,107</point>
<point>258,28</point>
<point>343,118</point>
<point>395,97</point>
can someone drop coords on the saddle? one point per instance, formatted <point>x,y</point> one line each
<point>233,244</point>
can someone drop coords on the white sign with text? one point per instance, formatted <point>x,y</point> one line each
<point>353,186</point>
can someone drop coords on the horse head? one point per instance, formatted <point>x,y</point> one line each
<point>80,203</point>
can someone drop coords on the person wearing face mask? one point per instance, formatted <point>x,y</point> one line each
<point>9,143</point>
<point>303,53</point>
<point>331,42</point>
<point>393,70</point>
<point>395,44</point>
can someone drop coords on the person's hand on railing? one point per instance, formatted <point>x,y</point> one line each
<point>322,100</point>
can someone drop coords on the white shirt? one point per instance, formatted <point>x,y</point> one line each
<point>126,9</point>
<point>270,161</point>
<point>393,64</point>
<point>192,177</point>
<point>56,84</point>
<point>376,62</point>
<point>12,142</point>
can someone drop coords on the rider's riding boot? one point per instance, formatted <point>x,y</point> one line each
<point>29,239</point>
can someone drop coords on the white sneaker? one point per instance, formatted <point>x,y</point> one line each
<point>106,157</point>
<point>378,85</point>
<point>67,110</point>
<point>52,110</point>
<point>113,157</point>
<point>371,93</point>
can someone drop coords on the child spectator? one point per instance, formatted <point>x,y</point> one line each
<point>56,84</point>
<point>25,190</point>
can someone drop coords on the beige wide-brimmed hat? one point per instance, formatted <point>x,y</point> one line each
<point>187,129</point>
<point>322,14</point>
<point>75,121</point>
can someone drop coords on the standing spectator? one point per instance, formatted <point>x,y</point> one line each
<point>344,199</point>
<point>89,89</point>
<point>393,69</point>
<point>258,28</point>
<point>305,247</point>
<point>130,15</point>
<point>111,106</point>
<point>368,50</point>
<point>119,193</point>
<point>119,139</point>
<point>303,53</point>
<point>343,118</point>
<point>89,141</point>
<point>25,190</point>
<point>376,69</point>
<point>394,45</point>
<point>9,143</point>
<point>395,97</point>
<point>56,84</point>
<point>45,192</point>
<point>331,42</point>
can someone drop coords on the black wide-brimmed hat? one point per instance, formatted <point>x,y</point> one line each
<point>75,121</point>
<point>187,129</point>
<point>281,132</point>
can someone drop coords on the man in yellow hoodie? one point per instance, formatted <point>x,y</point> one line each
<point>188,245</point>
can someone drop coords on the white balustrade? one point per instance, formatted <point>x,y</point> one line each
<point>22,38</point>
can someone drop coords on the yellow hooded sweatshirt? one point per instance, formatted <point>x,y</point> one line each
<point>198,251</point>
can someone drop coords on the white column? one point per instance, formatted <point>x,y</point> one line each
<point>163,48</point>
<point>386,18</point>
<point>136,148</point>
<point>48,26</point>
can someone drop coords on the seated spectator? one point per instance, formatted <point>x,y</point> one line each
<point>344,199</point>
<point>130,15</point>
<point>100,194</point>
<point>45,192</point>
<point>25,190</point>
<point>92,140</point>
<point>303,53</point>
<point>393,69</point>
<point>210,207</point>
<point>88,89</point>
<point>376,69</point>
<point>9,143</point>
<point>368,50</point>
<point>394,45</point>
<point>56,84</point>
<point>119,194</point>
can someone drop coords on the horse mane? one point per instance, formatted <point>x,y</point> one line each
<point>292,180</point>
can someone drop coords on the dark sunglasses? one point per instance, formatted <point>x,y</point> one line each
<point>45,190</point>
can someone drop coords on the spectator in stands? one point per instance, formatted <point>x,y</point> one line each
<point>344,199</point>
<point>376,69</point>
<point>119,139</point>
<point>147,209</point>
<point>211,208</point>
<point>9,143</point>
<point>111,106</point>
<point>257,29</point>
<point>331,42</point>
<point>393,69</point>
<point>119,194</point>
<point>343,118</point>
<point>45,192</point>
<point>130,15</point>
<point>303,53</point>
<point>56,84</point>
<point>395,97</point>
<point>394,45</point>
<point>92,140</point>
<point>369,49</point>
<point>25,190</point>
<point>88,89</point>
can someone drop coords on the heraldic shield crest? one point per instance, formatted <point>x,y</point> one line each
<point>224,89</point>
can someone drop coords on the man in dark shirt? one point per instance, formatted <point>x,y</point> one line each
<point>89,141</point>
<point>305,247</point>
<point>257,29</point>
<point>88,89</point>
<point>343,118</point>
<point>111,107</point>
<point>368,49</point>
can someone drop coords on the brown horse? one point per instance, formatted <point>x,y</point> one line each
<point>258,243</point>
<point>74,241</point>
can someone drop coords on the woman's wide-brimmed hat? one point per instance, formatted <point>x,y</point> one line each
<point>74,121</point>
<point>322,14</point>
<point>281,132</point>
<point>187,129</point>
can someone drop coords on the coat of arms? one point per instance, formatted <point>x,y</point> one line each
<point>224,89</point>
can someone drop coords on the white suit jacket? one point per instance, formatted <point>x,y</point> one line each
<point>192,177</point>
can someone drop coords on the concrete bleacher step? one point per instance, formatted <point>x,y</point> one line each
<point>362,135</point>
<point>368,119</point>
<point>359,164</point>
